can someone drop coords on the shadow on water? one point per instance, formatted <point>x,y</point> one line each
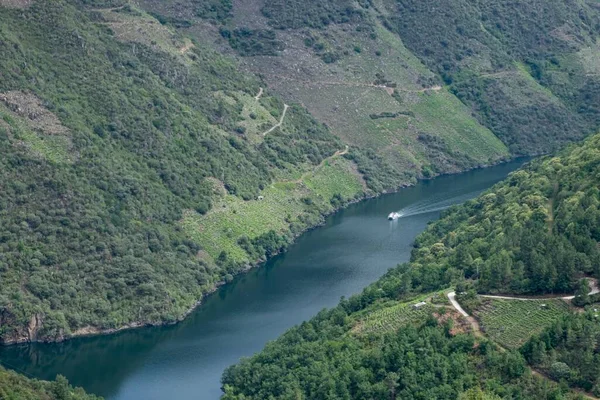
<point>185,361</point>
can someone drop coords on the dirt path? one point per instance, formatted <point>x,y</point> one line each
<point>277,125</point>
<point>593,290</point>
<point>388,89</point>
<point>338,153</point>
<point>474,324</point>
<point>499,74</point>
<point>114,9</point>
<point>452,298</point>
<point>477,332</point>
<point>258,96</point>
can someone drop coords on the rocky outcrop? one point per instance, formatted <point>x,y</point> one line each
<point>13,332</point>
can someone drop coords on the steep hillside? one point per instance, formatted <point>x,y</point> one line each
<point>116,133</point>
<point>567,350</point>
<point>522,66</point>
<point>353,74</point>
<point>143,168</point>
<point>154,149</point>
<point>536,232</point>
<point>525,70</point>
<point>14,386</point>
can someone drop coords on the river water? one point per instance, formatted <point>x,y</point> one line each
<point>355,247</point>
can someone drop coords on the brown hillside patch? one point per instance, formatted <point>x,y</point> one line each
<point>31,109</point>
<point>460,324</point>
<point>16,3</point>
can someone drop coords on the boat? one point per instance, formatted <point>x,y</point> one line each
<point>394,216</point>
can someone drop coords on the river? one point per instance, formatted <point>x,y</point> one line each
<point>355,247</point>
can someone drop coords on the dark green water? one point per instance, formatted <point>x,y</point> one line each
<point>354,248</point>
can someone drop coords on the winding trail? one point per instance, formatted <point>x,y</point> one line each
<point>452,298</point>
<point>318,167</point>
<point>593,290</point>
<point>277,125</point>
<point>260,92</point>
<point>388,89</point>
<point>474,323</point>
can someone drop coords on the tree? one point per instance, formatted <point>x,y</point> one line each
<point>559,370</point>
<point>582,295</point>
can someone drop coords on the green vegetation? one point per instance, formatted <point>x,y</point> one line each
<point>478,47</point>
<point>567,351</point>
<point>536,232</point>
<point>391,318</point>
<point>249,42</point>
<point>316,360</point>
<point>294,14</point>
<point>511,323</point>
<point>141,167</point>
<point>358,78</point>
<point>17,387</point>
<point>111,138</point>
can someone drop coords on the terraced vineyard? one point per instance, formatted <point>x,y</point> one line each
<point>391,318</point>
<point>512,322</point>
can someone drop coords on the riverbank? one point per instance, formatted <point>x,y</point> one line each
<point>31,335</point>
<point>353,248</point>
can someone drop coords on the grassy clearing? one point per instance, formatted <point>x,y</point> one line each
<point>134,25</point>
<point>281,205</point>
<point>590,59</point>
<point>391,318</point>
<point>512,322</point>
<point>257,119</point>
<point>334,177</point>
<point>232,218</point>
<point>391,315</point>
<point>443,114</point>
<point>53,148</point>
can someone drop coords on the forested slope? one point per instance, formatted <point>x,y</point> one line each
<point>524,67</point>
<point>17,387</point>
<point>567,351</point>
<point>142,169</point>
<point>153,150</point>
<point>528,71</point>
<point>105,143</point>
<point>535,232</point>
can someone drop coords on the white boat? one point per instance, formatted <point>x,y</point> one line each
<point>394,216</point>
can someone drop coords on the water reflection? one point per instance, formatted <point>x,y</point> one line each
<point>185,361</point>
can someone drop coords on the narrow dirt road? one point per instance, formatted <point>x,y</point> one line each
<point>277,125</point>
<point>388,89</point>
<point>452,298</point>
<point>593,290</point>
<point>477,329</point>
<point>318,167</point>
<point>474,324</point>
<point>260,92</point>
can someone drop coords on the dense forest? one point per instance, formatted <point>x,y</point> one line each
<point>104,145</point>
<point>568,351</point>
<point>494,55</point>
<point>318,361</point>
<point>535,232</point>
<point>129,150</point>
<point>17,387</point>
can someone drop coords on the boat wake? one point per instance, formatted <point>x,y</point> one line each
<point>433,205</point>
